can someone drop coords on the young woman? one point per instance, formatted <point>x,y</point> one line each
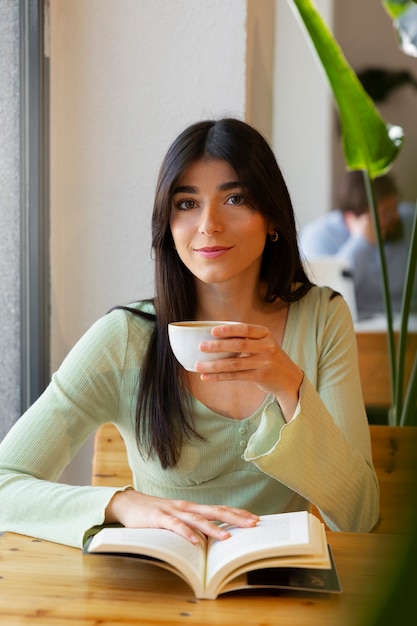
<point>279,427</point>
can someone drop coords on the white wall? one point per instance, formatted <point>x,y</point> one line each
<point>126,77</point>
<point>302,114</point>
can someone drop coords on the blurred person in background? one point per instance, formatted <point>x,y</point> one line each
<point>348,233</point>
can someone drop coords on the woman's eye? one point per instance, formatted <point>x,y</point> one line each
<point>185,205</point>
<point>236,200</point>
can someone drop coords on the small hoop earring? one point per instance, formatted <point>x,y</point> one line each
<point>274,236</point>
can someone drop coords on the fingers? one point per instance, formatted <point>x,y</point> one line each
<point>233,368</point>
<point>188,516</point>
<point>244,339</point>
<point>260,360</point>
<point>136,510</point>
<point>252,331</point>
<point>253,356</point>
<point>187,527</point>
<point>220,513</point>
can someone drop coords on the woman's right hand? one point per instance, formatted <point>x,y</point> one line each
<point>137,510</point>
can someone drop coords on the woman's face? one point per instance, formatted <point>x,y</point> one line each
<point>217,235</point>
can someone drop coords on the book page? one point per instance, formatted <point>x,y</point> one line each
<point>311,562</point>
<point>187,558</point>
<point>283,534</point>
<point>286,577</point>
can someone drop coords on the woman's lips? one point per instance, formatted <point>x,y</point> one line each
<point>212,252</point>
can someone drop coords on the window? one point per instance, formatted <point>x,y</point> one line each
<point>24,208</point>
<point>34,157</point>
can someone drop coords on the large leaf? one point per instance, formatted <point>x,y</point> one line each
<point>369,142</point>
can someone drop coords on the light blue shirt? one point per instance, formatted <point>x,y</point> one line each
<point>329,236</point>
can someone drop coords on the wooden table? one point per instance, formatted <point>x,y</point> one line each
<point>42,583</point>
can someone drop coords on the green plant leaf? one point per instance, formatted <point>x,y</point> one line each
<point>405,411</point>
<point>369,142</point>
<point>371,145</point>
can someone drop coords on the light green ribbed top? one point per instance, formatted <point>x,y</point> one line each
<point>322,456</point>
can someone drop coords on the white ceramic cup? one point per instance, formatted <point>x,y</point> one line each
<point>185,338</point>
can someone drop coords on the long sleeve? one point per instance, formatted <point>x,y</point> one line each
<point>84,393</point>
<point>324,452</point>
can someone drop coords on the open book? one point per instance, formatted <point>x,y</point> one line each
<point>283,550</point>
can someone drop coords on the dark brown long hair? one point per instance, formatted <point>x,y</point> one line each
<point>163,419</point>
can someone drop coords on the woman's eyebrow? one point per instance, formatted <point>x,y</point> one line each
<point>185,189</point>
<point>234,184</point>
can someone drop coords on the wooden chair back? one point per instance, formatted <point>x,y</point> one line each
<point>374,368</point>
<point>110,465</point>
<point>394,450</point>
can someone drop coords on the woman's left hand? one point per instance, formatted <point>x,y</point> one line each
<point>259,359</point>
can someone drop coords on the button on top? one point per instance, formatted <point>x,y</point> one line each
<point>242,430</point>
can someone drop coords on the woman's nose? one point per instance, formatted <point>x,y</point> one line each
<point>210,220</point>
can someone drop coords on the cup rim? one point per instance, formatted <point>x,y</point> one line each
<point>191,324</point>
